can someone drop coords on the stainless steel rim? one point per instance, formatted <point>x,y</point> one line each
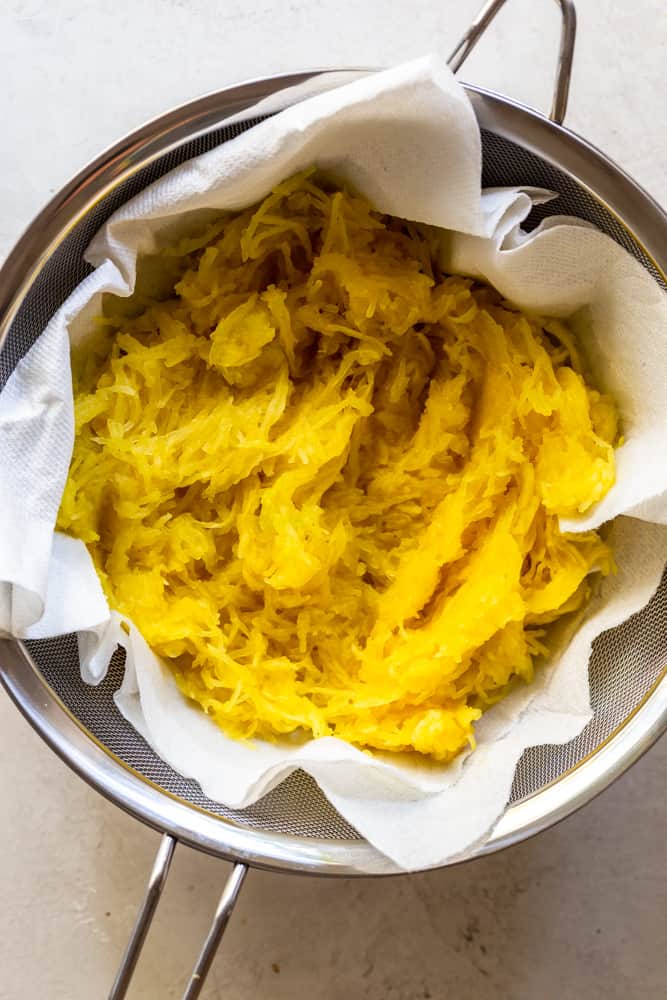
<point>570,154</point>
<point>222,838</point>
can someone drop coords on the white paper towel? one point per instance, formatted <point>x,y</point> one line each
<point>407,139</point>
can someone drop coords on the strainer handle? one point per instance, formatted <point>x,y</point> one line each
<point>217,929</point>
<point>565,53</point>
<point>156,883</point>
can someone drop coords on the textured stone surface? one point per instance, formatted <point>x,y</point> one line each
<point>577,912</point>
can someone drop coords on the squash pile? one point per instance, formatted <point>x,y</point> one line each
<point>324,478</point>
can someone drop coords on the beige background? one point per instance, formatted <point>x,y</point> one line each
<point>577,912</point>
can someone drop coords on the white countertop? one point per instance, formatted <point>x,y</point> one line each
<point>577,912</point>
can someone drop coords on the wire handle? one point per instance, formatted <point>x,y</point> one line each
<point>565,53</point>
<point>217,929</point>
<point>156,883</point>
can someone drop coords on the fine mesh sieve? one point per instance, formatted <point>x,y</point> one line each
<point>294,827</point>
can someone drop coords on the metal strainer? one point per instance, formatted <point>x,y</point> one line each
<point>294,828</point>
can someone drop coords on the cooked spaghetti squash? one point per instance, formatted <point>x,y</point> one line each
<point>324,478</point>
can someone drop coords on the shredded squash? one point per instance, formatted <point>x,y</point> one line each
<point>324,478</point>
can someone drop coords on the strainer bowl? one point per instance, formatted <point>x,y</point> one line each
<point>294,828</point>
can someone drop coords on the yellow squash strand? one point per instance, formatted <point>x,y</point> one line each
<point>324,478</point>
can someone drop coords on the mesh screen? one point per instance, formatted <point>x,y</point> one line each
<point>296,805</point>
<point>625,664</point>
